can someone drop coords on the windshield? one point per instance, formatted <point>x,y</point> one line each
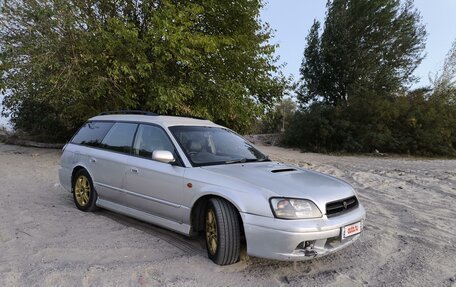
<point>213,145</point>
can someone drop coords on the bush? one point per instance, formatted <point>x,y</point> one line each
<point>417,123</point>
<point>42,122</point>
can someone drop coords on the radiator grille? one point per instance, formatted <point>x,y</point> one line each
<point>341,206</point>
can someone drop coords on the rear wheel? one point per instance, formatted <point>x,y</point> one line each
<point>84,195</point>
<point>222,232</point>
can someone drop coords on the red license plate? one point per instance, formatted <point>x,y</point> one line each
<point>351,230</point>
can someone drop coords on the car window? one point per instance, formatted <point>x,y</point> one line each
<point>214,145</point>
<point>120,137</point>
<point>149,139</point>
<point>92,133</point>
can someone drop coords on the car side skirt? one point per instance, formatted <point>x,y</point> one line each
<point>181,228</point>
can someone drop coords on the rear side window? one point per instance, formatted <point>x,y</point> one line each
<point>92,133</point>
<point>120,137</point>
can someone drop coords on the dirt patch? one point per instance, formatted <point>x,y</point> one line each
<point>409,240</point>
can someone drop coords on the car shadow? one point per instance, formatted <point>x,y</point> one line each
<point>190,245</point>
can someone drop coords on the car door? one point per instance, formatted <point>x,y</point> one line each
<point>154,187</point>
<point>109,161</point>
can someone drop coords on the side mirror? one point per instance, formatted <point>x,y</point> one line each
<point>163,156</point>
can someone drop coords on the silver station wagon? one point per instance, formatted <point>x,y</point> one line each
<point>196,177</point>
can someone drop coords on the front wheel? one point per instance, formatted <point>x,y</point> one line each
<point>223,238</point>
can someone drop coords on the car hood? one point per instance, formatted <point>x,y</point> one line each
<point>287,181</point>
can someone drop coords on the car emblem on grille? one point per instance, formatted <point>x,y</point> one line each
<point>345,204</point>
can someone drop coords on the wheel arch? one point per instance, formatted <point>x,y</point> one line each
<point>199,207</point>
<point>76,169</point>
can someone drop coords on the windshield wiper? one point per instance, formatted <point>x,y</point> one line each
<point>265,158</point>
<point>243,160</point>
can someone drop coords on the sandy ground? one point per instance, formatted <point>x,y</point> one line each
<point>409,238</point>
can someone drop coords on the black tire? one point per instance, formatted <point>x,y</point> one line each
<point>228,235</point>
<point>84,203</point>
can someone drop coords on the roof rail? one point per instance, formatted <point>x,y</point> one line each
<point>196,118</point>
<point>128,112</point>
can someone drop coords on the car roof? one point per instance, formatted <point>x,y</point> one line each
<point>165,121</point>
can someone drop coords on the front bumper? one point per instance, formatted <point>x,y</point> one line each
<point>296,240</point>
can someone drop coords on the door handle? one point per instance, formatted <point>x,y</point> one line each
<point>134,170</point>
<point>93,159</point>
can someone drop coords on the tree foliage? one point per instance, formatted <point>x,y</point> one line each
<point>365,45</point>
<point>418,122</point>
<point>277,118</point>
<point>311,69</point>
<point>354,91</point>
<point>63,61</point>
<point>444,82</point>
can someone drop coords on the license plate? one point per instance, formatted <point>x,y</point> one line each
<point>351,230</point>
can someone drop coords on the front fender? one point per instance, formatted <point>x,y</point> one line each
<point>245,197</point>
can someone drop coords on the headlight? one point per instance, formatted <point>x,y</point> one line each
<point>290,208</point>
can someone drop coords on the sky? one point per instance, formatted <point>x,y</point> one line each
<point>292,19</point>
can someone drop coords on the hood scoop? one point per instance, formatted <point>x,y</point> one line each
<point>283,170</point>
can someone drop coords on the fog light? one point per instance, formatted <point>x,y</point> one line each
<point>307,245</point>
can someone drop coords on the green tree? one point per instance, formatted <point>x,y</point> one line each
<point>63,61</point>
<point>311,69</point>
<point>353,74</point>
<point>444,82</point>
<point>370,45</point>
<point>277,118</point>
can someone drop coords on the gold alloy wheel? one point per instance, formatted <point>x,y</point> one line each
<point>211,231</point>
<point>82,190</point>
